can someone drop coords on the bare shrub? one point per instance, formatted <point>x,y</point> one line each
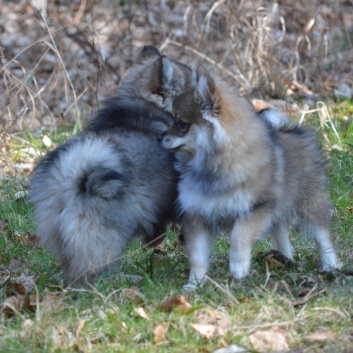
<point>57,67</point>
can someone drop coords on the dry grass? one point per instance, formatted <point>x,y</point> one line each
<point>57,68</point>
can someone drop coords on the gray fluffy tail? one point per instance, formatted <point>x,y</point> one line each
<point>103,182</point>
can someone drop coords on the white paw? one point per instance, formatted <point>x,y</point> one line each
<point>239,269</point>
<point>331,264</point>
<point>189,287</point>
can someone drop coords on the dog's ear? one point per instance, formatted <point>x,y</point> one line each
<point>204,92</point>
<point>197,72</point>
<point>161,75</point>
<point>148,52</point>
<point>167,70</point>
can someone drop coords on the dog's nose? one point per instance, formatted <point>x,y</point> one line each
<point>160,137</point>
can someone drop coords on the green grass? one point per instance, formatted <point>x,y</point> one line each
<point>111,323</point>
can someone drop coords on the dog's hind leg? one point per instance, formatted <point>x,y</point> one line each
<point>280,236</point>
<point>198,241</point>
<point>328,255</point>
<point>315,221</point>
<point>243,235</point>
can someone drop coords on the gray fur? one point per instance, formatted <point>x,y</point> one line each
<point>104,187</point>
<point>246,172</point>
<point>113,182</point>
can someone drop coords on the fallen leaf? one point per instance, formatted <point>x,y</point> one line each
<point>29,282</point>
<point>178,302</point>
<point>206,330</point>
<point>219,328</point>
<point>133,294</point>
<point>14,289</point>
<point>276,259</point>
<point>15,303</point>
<point>321,336</point>
<point>158,332</point>
<point>15,264</point>
<point>32,240</point>
<point>223,326</point>
<point>271,262</point>
<point>233,348</point>
<point>79,327</point>
<point>306,299</point>
<point>304,292</point>
<point>213,313</point>
<point>269,340</point>
<point>140,311</point>
<point>51,303</point>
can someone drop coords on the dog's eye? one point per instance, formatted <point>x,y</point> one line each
<point>182,126</point>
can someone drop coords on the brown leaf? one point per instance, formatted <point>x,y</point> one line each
<point>269,340</point>
<point>140,311</point>
<point>276,259</point>
<point>52,303</point>
<point>79,327</point>
<point>158,332</point>
<point>271,262</point>
<point>15,264</point>
<point>303,292</point>
<point>32,240</point>
<point>14,289</point>
<point>220,328</point>
<point>15,303</point>
<point>206,330</point>
<point>306,299</point>
<point>178,302</point>
<point>133,294</point>
<point>29,282</point>
<point>321,336</point>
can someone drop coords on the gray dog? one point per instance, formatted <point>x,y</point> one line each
<point>113,182</point>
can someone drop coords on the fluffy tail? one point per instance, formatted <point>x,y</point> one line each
<point>103,182</point>
<point>75,190</point>
<point>274,119</point>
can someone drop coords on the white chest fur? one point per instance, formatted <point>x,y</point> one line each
<point>192,199</point>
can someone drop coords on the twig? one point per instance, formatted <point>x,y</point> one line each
<point>307,298</point>
<point>203,56</point>
<point>62,64</point>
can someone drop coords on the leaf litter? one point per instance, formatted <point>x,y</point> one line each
<point>274,339</point>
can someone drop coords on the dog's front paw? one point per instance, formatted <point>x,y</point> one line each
<point>190,287</point>
<point>239,269</point>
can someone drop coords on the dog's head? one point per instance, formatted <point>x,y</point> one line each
<point>156,78</point>
<point>196,113</point>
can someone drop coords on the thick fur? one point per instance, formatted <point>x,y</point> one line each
<point>114,181</point>
<point>156,78</point>
<point>104,187</point>
<point>251,173</point>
